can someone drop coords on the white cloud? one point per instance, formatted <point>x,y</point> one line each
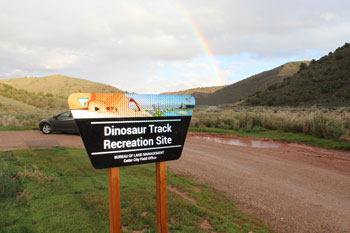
<point>150,46</point>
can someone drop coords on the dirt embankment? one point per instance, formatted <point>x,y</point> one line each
<point>293,187</point>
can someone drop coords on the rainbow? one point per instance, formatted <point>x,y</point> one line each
<point>204,44</point>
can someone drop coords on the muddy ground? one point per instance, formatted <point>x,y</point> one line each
<point>292,187</point>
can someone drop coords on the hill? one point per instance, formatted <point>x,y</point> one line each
<point>21,99</point>
<point>324,82</point>
<point>195,90</point>
<point>51,92</point>
<point>243,89</point>
<point>11,105</point>
<point>59,85</point>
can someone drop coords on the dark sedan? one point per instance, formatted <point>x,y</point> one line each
<point>63,122</point>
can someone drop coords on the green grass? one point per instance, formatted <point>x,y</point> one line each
<point>278,135</point>
<point>58,191</point>
<point>18,128</point>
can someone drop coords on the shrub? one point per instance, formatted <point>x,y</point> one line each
<point>254,100</point>
<point>273,87</point>
<point>331,124</point>
<point>322,126</point>
<point>271,102</point>
<point>24,119</point>
<point>326,90</point>
<point>339,57</point>
<point>8,187</point>
<point>303,66</point>
<point>347,94</point>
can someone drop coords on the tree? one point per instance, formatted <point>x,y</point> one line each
<point>303,66</point>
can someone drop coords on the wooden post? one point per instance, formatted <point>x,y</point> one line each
<point>162,208</point>
<point>115,219</point>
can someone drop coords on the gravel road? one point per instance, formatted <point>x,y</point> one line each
<point>293,187</point>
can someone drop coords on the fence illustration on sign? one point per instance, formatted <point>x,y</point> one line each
<point>102,105</point>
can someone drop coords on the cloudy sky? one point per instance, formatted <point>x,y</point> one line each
<point>165,45</point>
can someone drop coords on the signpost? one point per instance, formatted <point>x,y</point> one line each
<point>161,192</point>
<point>115,218</point>
<point>128,129</point>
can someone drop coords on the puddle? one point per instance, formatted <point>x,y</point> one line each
<point>340,157</point>
<point>244,142</point>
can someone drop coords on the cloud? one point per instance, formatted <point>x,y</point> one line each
<point>150,46</point>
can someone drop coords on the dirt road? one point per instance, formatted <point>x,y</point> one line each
<point>293,187</point>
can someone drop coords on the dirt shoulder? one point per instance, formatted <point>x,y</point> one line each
<point>34,139</point>
<point>293,187</point>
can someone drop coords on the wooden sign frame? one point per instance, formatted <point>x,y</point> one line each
<point>161,193</point>
<point>128,129</point>
<point>115,219</point>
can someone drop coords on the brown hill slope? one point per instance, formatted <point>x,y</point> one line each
<point>49,92</point>
<point>324,82</point>
<point>22,99</point>
<point>12,105</point>
<point>195,90</point>
<point>242,89</point>
<point>58,85</point>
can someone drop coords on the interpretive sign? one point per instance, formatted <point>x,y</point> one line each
<point>128,129</point>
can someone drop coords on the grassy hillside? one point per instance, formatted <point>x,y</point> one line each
<point>49,92</point>
<point>8,104</point>
<point>241,90</point>
<point>191,91</point>
<point>59,85</point>
<point>21,99</point>
<point>324,82</point>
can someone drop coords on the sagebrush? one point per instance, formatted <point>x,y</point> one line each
<point>325,123</point>
<point>24,118</point>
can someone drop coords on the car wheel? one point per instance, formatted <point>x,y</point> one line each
<point>46,129</point>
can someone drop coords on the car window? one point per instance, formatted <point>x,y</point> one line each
<point>64,116</point>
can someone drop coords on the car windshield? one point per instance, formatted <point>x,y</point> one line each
<point>64,116</point>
